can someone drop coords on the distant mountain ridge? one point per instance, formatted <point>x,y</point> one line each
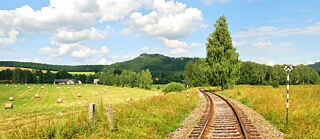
<point>315,66</point>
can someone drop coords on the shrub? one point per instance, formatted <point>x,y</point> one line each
<point>275,84</point>
<point>173,87</point>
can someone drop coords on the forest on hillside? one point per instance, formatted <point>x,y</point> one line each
<point>315,66</point>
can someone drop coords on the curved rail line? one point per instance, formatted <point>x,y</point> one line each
<point>221,120</point>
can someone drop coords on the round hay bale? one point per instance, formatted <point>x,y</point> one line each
<point>124,91</point>
<point>104,90</point>
<point>79,87</point>
<point>45,84</point>
<point>79,95</point>
<point>42,87</point>
<point>15,86</point>
<point>68,87</point>
<point>11,99</point>
<point>29,87</point>
<point>59,100</point>
<point>7,85</point>
<point>97,93</point>
<point>36,96</point>
<point>25,84</point>
<point>8,106</point>
<point>129,99</point>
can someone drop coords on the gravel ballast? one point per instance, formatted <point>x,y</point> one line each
<point>187,125</point>
<point>265,129</point>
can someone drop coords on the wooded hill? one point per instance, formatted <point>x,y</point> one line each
<point>163,69</point>
<point>315,66</point>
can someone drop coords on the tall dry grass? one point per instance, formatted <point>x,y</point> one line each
<point>304,107</point>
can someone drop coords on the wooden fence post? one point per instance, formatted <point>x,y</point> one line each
<point>92,109</point>
<point>110,116</point>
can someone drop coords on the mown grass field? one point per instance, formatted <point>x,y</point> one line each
<point>148,115</point>
<point>304,107</point>
<point>85,73</point>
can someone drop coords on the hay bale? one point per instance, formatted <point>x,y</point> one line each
<point>59,100</point>
<point>36,96</point>
<point>79,87</point>
<point>124,91</point>
<point>79,95</point>
<point>45,84</point>
<point>11,99</point>
<point>8,106</point>
<point>104,90</point>
<point>25,84</point>
<point>15,86</point>
<point>7,85</point>
<point>68,87</point>
<point>97,93</point>
<point>42,87</point>
<point>129,99</point>
<point>29,87</point>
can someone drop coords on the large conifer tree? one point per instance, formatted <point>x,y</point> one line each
<point>222,56</point>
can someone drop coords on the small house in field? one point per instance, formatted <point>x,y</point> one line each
<point>66,81</point>
<point>77,81</point>
<point>95,81</point>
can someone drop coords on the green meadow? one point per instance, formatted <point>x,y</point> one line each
<point>148,114</point>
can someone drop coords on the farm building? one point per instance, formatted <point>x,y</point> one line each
<point>66,81</point>
<point>95,81</point>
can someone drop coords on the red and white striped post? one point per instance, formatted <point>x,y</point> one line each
<point>288,69</point>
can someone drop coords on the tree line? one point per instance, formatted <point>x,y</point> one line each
<point>253,74</point>
<point>39,66</point>
<point>163,69</point>
<point>126,78</point>
<point>37,76</point>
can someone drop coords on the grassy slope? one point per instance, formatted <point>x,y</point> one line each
<point>304,110</point>
<point>143,118</point>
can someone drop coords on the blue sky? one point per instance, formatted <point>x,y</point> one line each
<point>80,32</point>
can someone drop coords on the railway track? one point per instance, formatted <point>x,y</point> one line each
<point>223,120</point>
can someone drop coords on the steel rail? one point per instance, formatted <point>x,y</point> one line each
<point>236,114</point>
<point>209,117</point>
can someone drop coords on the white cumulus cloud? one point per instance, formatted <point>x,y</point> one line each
<point>8,37</point>
<point>167,19</point>
<point>178,47</point>
<point>114,10</point>
<point>69,36</point>
<point>104,50</point>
